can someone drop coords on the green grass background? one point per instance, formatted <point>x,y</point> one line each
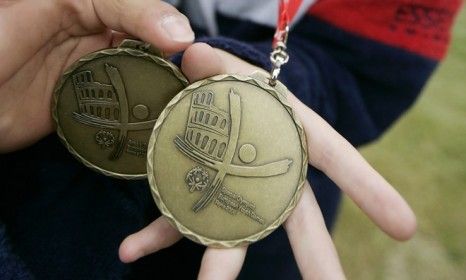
<point>424,156</point>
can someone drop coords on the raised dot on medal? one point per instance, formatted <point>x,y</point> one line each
<point>140,112</point>
<point>247,153</point>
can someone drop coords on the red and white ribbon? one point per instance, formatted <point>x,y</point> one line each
<point>287,10</point>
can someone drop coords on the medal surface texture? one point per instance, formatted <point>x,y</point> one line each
<point>106,105</point>
<point>227,160</point>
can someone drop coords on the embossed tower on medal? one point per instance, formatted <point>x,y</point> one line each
<point>95,99</point>
<point>208,126</point>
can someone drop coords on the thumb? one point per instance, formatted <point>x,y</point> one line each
<point>155,22</point>
<point>194,64</point>
<point>201,61</point>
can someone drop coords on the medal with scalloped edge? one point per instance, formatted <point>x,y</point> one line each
<point>227,160</point>
<point>106,104</point>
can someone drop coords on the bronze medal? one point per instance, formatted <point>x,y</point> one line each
<point>227,160</point>
<point>106,104</point>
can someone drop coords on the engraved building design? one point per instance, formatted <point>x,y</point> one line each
<point>208,126</point>
<point>95,99</point>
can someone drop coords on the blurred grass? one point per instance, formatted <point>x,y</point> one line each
<point>424,156</point>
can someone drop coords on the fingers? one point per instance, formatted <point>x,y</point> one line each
<point>156,236</point>
<point>311,243</point>
<point>201,61</point>
<point>332,154</point>
<point>222,263</point>
<point>152,21</point>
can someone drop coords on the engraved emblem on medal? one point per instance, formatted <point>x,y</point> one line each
<point>106,104</point>
<point>227,160</point>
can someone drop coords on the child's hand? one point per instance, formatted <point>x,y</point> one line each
<point>39,39</point>
<point>310,241</point>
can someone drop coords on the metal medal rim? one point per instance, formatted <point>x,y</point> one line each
<point>279,92</point>
<point>95,55</point>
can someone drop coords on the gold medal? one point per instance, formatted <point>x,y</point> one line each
<point>227,160</point>
<point>106,104</point>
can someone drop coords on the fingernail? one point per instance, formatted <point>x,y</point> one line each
<point>178,28</point>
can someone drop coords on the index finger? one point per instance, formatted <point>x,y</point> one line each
<point>338,159</point>
<point>222,263</point>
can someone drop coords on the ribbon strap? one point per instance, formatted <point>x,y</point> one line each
<point>287,10</point>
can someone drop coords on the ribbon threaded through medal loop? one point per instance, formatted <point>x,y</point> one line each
<point>286,12</point>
